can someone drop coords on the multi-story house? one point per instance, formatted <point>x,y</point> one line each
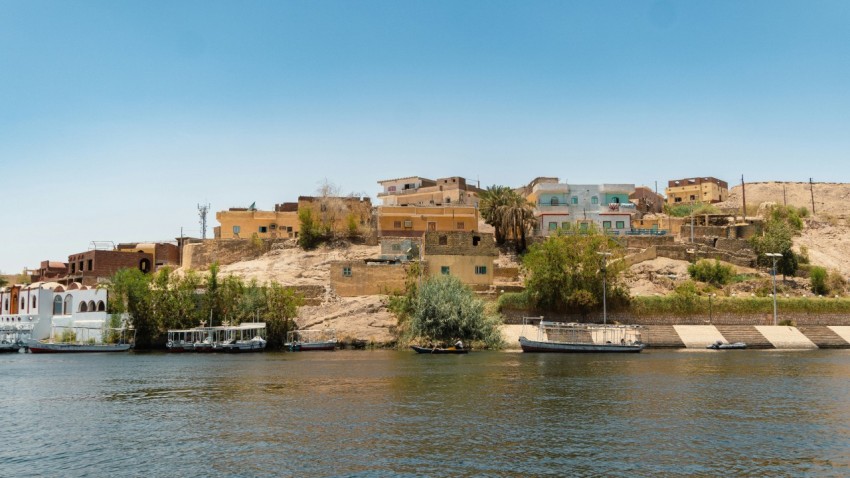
<point>696,190</point>
<point>243,223</point>
<point>417,191</point>
<point>561,205</point>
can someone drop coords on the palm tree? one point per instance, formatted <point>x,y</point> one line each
<point>517,219</point>
<point>492,199</point>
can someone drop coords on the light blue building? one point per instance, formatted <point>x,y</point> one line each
<point>558,205</point>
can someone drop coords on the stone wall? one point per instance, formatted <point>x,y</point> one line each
<point>460,243</point>
<point>645,255</point>
<point>506,274</point>
<point>643,242</point>
<point>200,255</point>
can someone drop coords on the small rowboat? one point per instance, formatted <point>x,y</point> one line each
<point>726,346</point>
<point>439,350</point>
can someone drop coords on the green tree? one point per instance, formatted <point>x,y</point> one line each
<point>777,237</point>
<point>448,310</point>
<point>492,200</point>
<point>817,279</point>
<point>281,306</point>
<point>564,272</point>
<point>310,231</point>
<point>517,219</point>
<point>130,294</point>
<point>3,281</point>
<point>711,272</point>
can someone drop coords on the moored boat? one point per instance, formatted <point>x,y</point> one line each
<point>719,345</point>
<point>84,336</point>
<point>559,337</point>
<point>43,347</point>
<point>309,340</point>
<point>440,350</point>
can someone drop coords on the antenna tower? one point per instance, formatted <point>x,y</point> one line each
<point>202,214</point>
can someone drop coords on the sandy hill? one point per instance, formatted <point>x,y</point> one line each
<point>829,198</point>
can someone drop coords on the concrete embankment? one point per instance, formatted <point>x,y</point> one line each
<point>700,336</point>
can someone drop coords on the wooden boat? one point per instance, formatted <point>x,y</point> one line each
<point>245,337</point>
<point>439,350</point>
<point>309,340</point>
<point>727,346</point>
<point>559,337</point>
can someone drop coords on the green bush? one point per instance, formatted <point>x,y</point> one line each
<point>836,283</point>
<point>515,300</point>
<point>817,278</point>
<point>712,273</point>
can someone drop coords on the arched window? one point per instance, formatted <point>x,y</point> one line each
<point>57,305</point>
<point>145,265</point>
<point>69,305</point>
<point>91,306</point>
<point>101,307</point>
<point>23,304</point>
<point>594,200</point>
<point>84,307</point>
<point>34,303</point>
<point>553,201</point>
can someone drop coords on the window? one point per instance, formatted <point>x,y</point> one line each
<point>476,240</point>
<point>443,240</point>
<point>73,267</point>
<point>574,199</point>
<point>460,226</point>
<point>583,227</point>
<point>553,201</point>
<point>594,200</point>
<point>677,199</point>
<point>480,270</point>
<point>90,263</point>
<point>272,227</point>
<point>621,225</point>
<point>448,200</point>
<point>57,305</point>
<point>616,200</point>
<point>68,305</point>
<point>396,247</point>
<point>565,225</point>
<point>346,272</point>
<point>33,303</point>
<point>396,224</point>
<point>288,228</point>
<point>553,226</point>
<point>264,229</point>
<point>236,229</point>
<point>444,270</point>
<point>606,224</point>
<point>693,198</point>
<point>23,304</point>
<point>408,224</point>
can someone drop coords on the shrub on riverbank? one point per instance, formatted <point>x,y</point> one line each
<point>446,310</point>
<point>649,306</point>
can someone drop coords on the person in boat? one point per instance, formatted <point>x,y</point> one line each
<point>459,344</point>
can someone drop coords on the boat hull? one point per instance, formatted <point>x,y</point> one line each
<point>37,347</point>
<point>311,346</point>
<point>566,347</point>
<point>735,346</point>
<point>439,351</point>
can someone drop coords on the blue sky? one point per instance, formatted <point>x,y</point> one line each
<point>118,117</point>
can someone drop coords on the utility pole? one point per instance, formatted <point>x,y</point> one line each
<point>812,189</point>
<point>784,196</point>
<point>744,197</point>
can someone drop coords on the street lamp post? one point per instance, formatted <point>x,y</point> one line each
<point>774,256</point>
<point>604,256</point>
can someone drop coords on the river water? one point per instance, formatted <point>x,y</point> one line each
<point>387,413</point>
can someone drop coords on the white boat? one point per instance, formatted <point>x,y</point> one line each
<point>246,337</point>
<point>308,340</point>
<point>83,337</point>
<point>560,337</point>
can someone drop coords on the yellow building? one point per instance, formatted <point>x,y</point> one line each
<point>409,221</point>
<point>467,255</point>
<point>696,190</point>
<point>241,223</point>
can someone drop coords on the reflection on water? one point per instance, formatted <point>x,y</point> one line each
<point>384,413</point>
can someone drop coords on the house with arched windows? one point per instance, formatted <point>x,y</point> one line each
<point>38,308</point>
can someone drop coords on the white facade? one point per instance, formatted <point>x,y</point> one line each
<point>39,307</point>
